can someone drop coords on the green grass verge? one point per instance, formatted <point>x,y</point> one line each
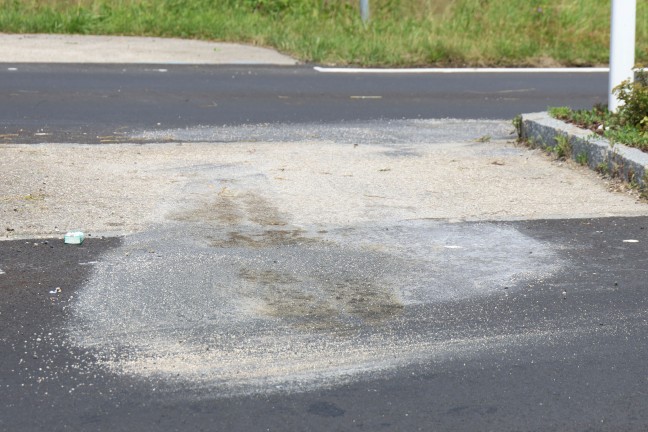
<point>400,32</point>
<point>604,123</point>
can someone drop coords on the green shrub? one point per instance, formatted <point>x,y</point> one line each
<point>561,113</point>
<point>629,125</point>
<point>634,110</point>
<point>563,148</point>
<point>582,158</point>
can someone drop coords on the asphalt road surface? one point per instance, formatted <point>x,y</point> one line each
<point>109,103</point>
<point>566,353</point>
<point>299,257</point>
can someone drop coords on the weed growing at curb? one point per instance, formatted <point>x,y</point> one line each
<point>582,159</point>
<point>562,149</point>
<point>517,124</point>
<point>560,112</point>
<point>612,169</point>
<point>603,168</point>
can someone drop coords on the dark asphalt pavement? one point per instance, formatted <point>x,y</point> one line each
<point>564,353</point>
<point>587,373</point>
<point>106,103</point>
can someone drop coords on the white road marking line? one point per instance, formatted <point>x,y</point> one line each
<point>458,70</point>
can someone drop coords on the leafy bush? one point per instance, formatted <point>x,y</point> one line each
<point>634,110</point>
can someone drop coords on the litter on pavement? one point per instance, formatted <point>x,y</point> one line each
<point>74,237</point>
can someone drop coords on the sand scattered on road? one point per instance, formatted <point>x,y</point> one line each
<point>119,189</point>
<point>265,266</point>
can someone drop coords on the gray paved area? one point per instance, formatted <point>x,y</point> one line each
<point>414,171</point>
<point>396,275</point>
<point>256,267</point>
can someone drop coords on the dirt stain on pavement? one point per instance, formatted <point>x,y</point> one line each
<point>262,212</point>
<point>322,299</point>
<point>232,208</point>
<point>265,238</point>
<point>330,302</point>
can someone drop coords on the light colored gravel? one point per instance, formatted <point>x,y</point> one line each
<point>45,48</point>
<point>119,189</point>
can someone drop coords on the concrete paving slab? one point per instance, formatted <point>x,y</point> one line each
<point>47,48</point>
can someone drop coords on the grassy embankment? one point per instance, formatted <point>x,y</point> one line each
<point>400,33</point>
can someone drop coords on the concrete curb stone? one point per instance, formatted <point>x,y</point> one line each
<point>627,163</point>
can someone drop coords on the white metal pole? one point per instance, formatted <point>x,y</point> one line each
<point>364,10</point>
<point>622,46</point>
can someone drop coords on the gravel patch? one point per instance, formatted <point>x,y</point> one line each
<point>264,266</point>
<point>120,189</point>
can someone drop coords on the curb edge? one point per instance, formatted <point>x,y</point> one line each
<point>542,130</point>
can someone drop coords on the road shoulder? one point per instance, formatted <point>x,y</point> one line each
<point>47,48</point>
